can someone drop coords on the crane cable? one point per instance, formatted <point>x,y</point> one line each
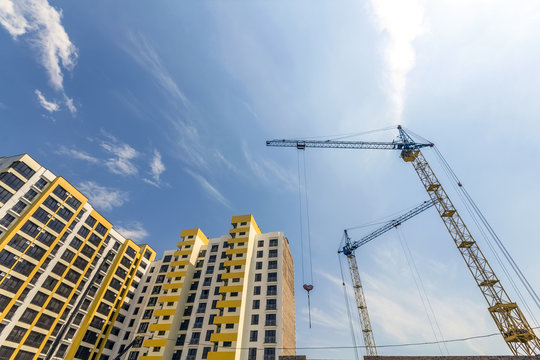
<point>306,286</point>
<point>348,309</point>
<point>476,214</point>
<point>421,291</point>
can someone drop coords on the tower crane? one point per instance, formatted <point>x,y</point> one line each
<point>509,319</point>
<point>348,251</point>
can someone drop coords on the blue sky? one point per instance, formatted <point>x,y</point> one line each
<point>159,112</point>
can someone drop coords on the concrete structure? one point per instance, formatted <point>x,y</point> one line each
<point>65,274</point>
<point>229,298</point>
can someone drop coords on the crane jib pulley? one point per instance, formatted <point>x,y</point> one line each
<point>510,321</point>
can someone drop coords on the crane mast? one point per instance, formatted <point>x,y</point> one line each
<point>510,321</point>
<point>348,251</point>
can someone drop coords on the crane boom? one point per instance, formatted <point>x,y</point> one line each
<point>351,246</point>
<point>510,321</point>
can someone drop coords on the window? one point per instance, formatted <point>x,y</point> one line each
<point>206,350</point>
<point>198,322</point>
<point>143,327</point>
<point>192,354</point>
<point>19,207</point>
<point>229,326</point>
<point>259,254</point>
<point>271,304</point>
<point>255,319</point>
<point>227,344</point>
<point>195,337</point>
<point>272,276</point>
<point>167,258</point>
<point>269,354</point>
<point>252,354</point>
<point>258,277</point>
<point>208,335</point>
<point>212,259</point>
<point>258,265</point>
<point>253,335</point>
<point>152,301</point>
<point>214,248</point>
<point>270,336</point>
<point>256,290</point>
<point>11,180</point>
<point>5,194</point>
<point>210,269</point>
<point>204,294</point>
<point>231,309</point>
<point>164,268</point>
<point>7,220</point>
<point>273,242</point>
<point>207,281</point>
<point>260,243</point>
<point>256,304</point>
<point>271,290</point>
<point>201,308</point>
<point>272,253</point>
<point>272,264</point>
<point>270,320</point>
<point>180,340</point>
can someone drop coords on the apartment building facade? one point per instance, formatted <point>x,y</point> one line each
<point>230,297</point>
<point>66,275</point>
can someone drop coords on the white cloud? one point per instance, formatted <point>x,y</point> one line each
<point>212,191</point>
<point>402,21</point>
<point>123,154</point>
<point>144,54</point>
<point>157,168</point>
<point>77,154</point>
<point>41,24</point>
<point>50,106</point>
<point>102,197</point>
<point>132,230</point>
<point>269,171</point>
<point>69,103</point>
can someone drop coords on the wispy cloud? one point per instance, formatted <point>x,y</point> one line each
<point>50,106</point>
<point>102,197</point>
<point>210,190</point>
<point>269,171</point>
<point>133,230</point>
<point>145,55</point>
<point>402,21</point>
<point>40,24</point>
<point>77,154</point>
<point>121,163</point>
<point>156,169</point>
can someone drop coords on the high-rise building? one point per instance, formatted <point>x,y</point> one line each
<point>229,298</point>
<point>66,276</point>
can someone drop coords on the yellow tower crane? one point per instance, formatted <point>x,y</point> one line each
<point>510,321</point>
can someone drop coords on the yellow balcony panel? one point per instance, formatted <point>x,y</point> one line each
<point>168,298</point>
<point>220,355</point>
<point>185,242</point>
<point>239,230</point>
<point>226,320</point>
<point>148,357</point>
<point>180,263</point>
<point>236,251</point>
<point>241,218</point>
<point>230,288</point>
<point>194,232</point>
<point>155,342</point>
<point>228,303</point>
<point>164,312</point>
<point>234,262</point>
<point>182,252</point>
<point>159,327</point>
<point>223,337</point>
<point>174,274</point>
<point>233,275</point>
<point>175,285</point>
<point>237,240</point>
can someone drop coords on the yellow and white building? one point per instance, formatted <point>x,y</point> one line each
<point>66,276</point>
<point>229,298</point>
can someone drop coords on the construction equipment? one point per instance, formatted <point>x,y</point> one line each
<point>510,321</point>
<point>348,251</point>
